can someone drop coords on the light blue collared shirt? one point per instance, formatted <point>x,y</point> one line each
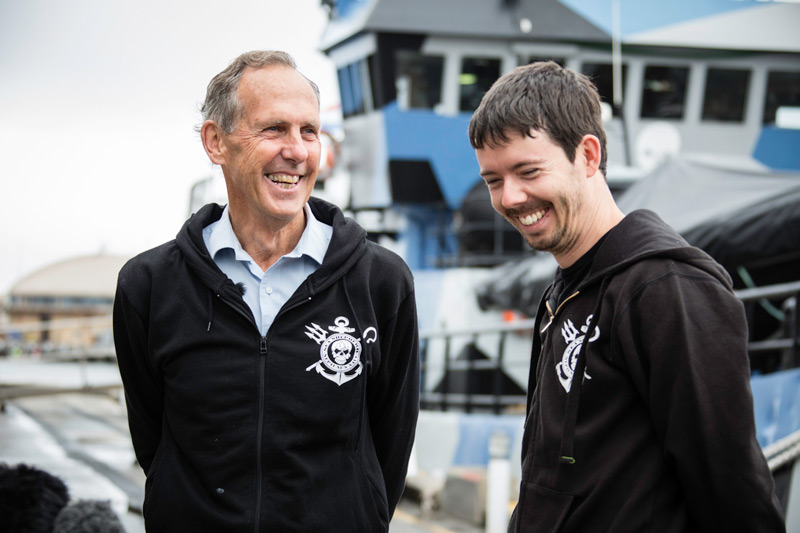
<point>266,292</point>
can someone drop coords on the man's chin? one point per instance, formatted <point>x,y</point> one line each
<point>538,243</point>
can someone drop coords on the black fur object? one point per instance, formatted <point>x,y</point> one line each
<point>88,516</point>
<point>30,499</point>
<point>241,287</point>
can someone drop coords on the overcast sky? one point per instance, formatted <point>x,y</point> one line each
<point>98,101</point>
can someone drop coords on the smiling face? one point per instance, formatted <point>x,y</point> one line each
<point>536,188</point>
<point>271,160</point>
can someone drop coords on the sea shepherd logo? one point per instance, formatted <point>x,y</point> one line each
<point>566,368</point>
<point>340,353</point>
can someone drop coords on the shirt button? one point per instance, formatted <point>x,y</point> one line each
<point>268,290</point>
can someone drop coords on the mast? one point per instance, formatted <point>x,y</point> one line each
<point>616,75</point>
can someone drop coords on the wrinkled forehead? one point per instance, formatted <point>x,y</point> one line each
<point>276,80</point>
<point>277,92</point>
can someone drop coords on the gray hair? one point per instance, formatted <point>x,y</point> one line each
<point>222,103</point>
<point>542,96</point>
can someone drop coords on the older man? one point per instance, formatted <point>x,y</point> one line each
<point>269,353</point>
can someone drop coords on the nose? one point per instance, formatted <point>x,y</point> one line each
<point>513,194</point>
<point>294,148</point>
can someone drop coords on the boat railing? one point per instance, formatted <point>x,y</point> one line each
<point>456,388</point>
<point>455,373</point>
<point>783,451</point>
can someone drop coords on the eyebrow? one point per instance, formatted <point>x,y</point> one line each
<point>269,122</point>
<point>516,166</point>
<point>260,124</point>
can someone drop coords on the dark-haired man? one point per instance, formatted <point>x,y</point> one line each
<point>640,415</point>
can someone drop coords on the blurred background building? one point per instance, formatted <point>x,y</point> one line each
<point>49,307</point>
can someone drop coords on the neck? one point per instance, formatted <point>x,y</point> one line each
<point>600,215</point>
<point>268,243</point>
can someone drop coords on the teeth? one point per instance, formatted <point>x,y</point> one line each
<point>533,218</point>
<point>285,181</point>
<point>283,178</point>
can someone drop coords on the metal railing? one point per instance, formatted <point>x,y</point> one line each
<point>443,396</point>
<point>454,391</point>
<point>468,400</point>
<point>782,452</point>
<point>789,342</point>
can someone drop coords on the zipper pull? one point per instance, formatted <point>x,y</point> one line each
<point>263,349</point>
<point>552,317</point>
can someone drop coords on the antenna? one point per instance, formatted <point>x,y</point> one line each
<point>616,74</point>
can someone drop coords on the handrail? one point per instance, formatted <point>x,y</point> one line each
<point>445,398</point>
<point>755,293</point>
<point>782,452</point>
<point>497,327</point>
<point>769,291</point>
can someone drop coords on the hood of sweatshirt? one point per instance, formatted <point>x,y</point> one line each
<point>348,244</point>
<point>639,236</point>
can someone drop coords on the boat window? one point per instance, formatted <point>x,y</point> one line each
<point>601,75</point>
<point>783,90</point>
<point>351,88</point>
<point>345,93</point>
<point>725,94</point>
<point>664,92</point>
<point>477,75</point>
<point>418,80</point>
<point>357,88</point>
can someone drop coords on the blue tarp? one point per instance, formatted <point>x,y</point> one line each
<point>776,399</point>
<point>475,431</point>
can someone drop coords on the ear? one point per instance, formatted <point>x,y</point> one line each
<point>589,149</point>
<point>212,136</point>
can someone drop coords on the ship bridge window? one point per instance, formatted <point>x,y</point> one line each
<point>354,88</point>
<point>477,75</point>
<point>602,76</point>
<point>783,90</point>
<point>418,80</point>
<point>664,92</point>
<point>726,94</point>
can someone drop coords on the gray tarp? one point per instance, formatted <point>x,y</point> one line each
<point>735,215</point>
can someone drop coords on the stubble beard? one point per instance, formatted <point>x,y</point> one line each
<point>564,235</point>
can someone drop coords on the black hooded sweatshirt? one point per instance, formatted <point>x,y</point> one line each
<point>308,428</point>
<point>648,425</point>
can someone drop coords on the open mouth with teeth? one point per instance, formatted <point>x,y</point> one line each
<point>532,218</point>
<point>284,181</point>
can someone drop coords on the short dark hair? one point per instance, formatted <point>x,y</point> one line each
<point>542,96</point>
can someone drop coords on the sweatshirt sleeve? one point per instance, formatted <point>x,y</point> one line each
<point>684,338</point>
<point>143,395</point>
<point>394,399</point>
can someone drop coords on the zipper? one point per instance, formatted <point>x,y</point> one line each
<point>261,385</point>
<point>262,352</point>
<point>362,412</point>
<point>552,313</point>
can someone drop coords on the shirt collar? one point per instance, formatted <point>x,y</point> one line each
<point>313,242</point>
<point>315,239</point>
<point>222,237</point>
